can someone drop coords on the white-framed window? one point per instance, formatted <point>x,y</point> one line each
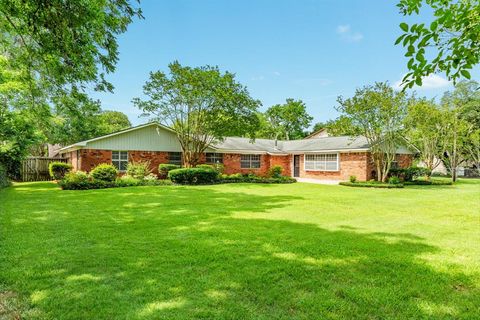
<point>250,161</point>
<point>321,162</point>
<point>120,160</point>
<point>214,157</point>
<point>175,158</point>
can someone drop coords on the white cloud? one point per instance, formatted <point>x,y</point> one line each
<point>346,33</point>
<point>343,28</point>
<point>258,78</point>
<point>276,73</point>
<point>433,81</point>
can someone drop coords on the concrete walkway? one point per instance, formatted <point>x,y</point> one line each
<point>317,181</point>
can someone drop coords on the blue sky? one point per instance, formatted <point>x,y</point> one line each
<point>309,50</point>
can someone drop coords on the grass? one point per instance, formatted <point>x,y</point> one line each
<point>240,251</point>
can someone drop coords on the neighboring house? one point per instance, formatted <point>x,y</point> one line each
<point>328,158</point>
<point>322,133</point>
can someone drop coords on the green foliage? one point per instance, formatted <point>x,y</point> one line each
<point>435,182</point>
<point>81,181</point>
<point>275,171</point>
<point>205,166</point>
<point>371,184</point>
<point>450,43</point>
<point>75,180</point>
<point>164,168</point>
<point>353,179</point>
<point>394,180</point>
<point>65,42</point>
<point>139,170</point>
<point>193,176</point>
<point>410,174</point>
<point>104,172</point>
<point>376,112</point>
<point>112,121</point>
<point>202,104</point>
<point>4,181</point>
<point>17,136</point>
<point>250,178</point>
<point>424,130</point>
<point>58,169</point>
<point>286,121</point>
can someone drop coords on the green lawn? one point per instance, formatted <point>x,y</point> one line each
<point>240,251</point>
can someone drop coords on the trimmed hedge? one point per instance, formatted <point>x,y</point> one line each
<point>239,178</point>
<point>4,181</point>
<point>58,169</point>
<point>193,176</point>
<point>428,183</point>
<point>104,172</point>
<point>81,181</point>
<point>164,168</point>
<point>368,184</point>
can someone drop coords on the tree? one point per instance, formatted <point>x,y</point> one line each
<point>342,126</point>
<point>65,43</point>
<point>201,104</point>
<point>288,121</point>
<point>460,124</point>
<point>425,131</point>
<point>112,121</point>
<point>318,126</point>
<point>452,39</point>
<point>377,112</point>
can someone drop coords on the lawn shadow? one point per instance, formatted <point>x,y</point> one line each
<point>182,252</point>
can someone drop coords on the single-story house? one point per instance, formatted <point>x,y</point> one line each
<point>317,157</point>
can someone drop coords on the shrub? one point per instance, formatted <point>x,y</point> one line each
<point>58,169</point>
<point>413,173</point>
<point>139,170</point>
<point>77,180</point>
<point>150,177</point>
<point>164,168</point>
<point>370,184</point>
<point>237,177</point>
<point>205,166</point>
<point>4,181</point>
<point>353,179</point>
<point>193,176</point>
<point>275,171</point>
<point>104,172</point>
<point>394,180</point>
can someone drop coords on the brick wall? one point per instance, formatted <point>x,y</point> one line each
<point>90,158</point>
<point>231,161</point>
<point>358,164</point>
<point>154,157</point>
<point>284,161</point>
<point>351,164</point>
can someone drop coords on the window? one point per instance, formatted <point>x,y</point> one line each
<point>321,162</point>
<point>214,157</point>
<point>120,160</point>
<point>175,158</point>
<point>250,161</point>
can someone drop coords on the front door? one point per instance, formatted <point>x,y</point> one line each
<point>296,166</point>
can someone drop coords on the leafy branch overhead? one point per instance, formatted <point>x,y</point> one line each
<point>450,43</point>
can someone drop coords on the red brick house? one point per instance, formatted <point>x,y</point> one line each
<point>317,157</point>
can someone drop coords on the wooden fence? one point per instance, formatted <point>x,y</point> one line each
<point>36,168</point>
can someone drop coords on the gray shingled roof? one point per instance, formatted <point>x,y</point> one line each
<point>317,144</point>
